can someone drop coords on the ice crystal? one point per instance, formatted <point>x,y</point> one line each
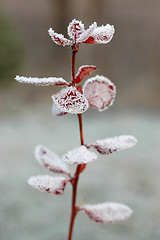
<point>75,29</point>
<point>100,92</point>
<point>41,81</point>
<point>83,72</point>
<point>56,111</point>
<point>78,34</point>
<point>107,212</point>
<point>110,145</point>
<point>45,183</point>
<point>59,38</point>
<point>101,35</point>
<point>70,100</point>
<point>50,160</point>
<point>79,155</point>
<point>87,33</point>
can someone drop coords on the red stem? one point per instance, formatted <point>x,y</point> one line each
<point>78,170</point>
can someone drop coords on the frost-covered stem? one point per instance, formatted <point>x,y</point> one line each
<point>78,170</point>
<point>74,196</point>
<point>74,51</point>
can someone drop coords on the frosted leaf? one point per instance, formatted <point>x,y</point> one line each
<point>101,34</point>
<point>45,183</point>
<point>100,92</point>
<point>79,155</point>
<point>70,100</point>
<point>59,38</point>
<point>110,145</point>
<point>86,34</point>
<point>83,72</point>
<point>75,29</point>
<point>50,160</point>
<point>41,81</point>
<point>56,111</point>
<point>108,212</point>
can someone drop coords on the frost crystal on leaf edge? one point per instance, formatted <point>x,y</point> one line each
<point>59,38</point>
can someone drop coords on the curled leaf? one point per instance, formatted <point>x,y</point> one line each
<point>41,81</point>
<point>87,33</point>
<point>107,212</point>
<point>59,38</point>
<point>45,183</point>
<point>110,145</point>
<point>70,100</point>
<point>79,155</point>
<point>100,92</point>
<point>83,72</point>
<point>101,34</point>
<point>50,160</point>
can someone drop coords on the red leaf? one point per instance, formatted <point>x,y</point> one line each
<point>83,72</point>
<point>59,38</point>
<point>50,160</point>
<point>42,81</point>
<point>70,100</point>
<point>100,92</point>
<point>107,212</point>
<point>75,29</point>
<point>110,145</point>
<point>52,185</point>
<point>101,34</point>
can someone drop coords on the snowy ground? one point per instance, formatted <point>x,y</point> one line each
<point>130,177</point>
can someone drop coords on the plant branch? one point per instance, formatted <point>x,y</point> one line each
<point>80,166</point>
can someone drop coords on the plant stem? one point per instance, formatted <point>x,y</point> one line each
<point>78,170</point>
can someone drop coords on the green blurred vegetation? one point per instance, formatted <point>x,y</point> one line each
<point>11,50</point>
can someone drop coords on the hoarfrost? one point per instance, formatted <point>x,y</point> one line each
<point>108,212</point>
<point>101,35</point>
<point>50,160</point>
<point>45,183</point>
<point>100,92</point>
<point>79,155</point>
<point>56,111</point>
<point>70,100</point>
<point>75,29</point>
<point>110,145</point>
<point>59,38</point>
<point>41,81</point>
<point>86,34</point>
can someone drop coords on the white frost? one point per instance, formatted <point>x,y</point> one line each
<point>100,92</point>
<point>110,145</point>
<point>108,212</point>
<point>59,38</point>
<point>83,72</point>
<point>70,100</point>
<point>45,183</point>
<point>75,29</point>
<point>50,160</point>
<point>103,34</point>
<point>79,155</point>
<point>87,33</point>
<point>41,81</point>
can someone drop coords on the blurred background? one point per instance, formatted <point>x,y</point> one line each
<point>132,61</point>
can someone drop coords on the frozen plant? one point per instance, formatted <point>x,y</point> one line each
<point>97,92</point>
